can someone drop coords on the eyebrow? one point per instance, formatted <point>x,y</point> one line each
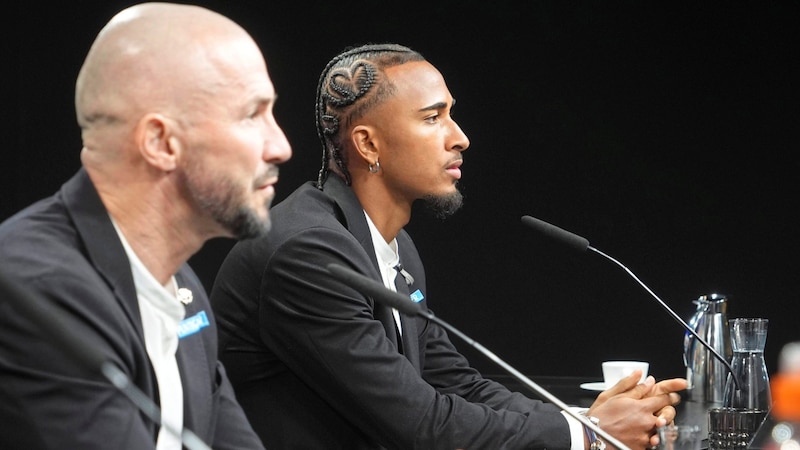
<point>266,99</point>
<point>437,105</point>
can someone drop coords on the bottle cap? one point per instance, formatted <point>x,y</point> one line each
<point>789,359</point>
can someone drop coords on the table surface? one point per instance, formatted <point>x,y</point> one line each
<point>568,390</point>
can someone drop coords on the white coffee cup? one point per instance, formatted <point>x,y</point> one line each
<point>613,371</point>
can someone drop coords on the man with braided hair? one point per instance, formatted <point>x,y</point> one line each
<point>316,364</point>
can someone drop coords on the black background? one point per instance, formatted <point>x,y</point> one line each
<point>663,132</point>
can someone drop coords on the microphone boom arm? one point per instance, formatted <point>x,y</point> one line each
<point>85,353</point>
<point>381,294</point>
<point>542,392</point>
<point>673,314</point>
<point>120,380</point>
<point>581,244</point>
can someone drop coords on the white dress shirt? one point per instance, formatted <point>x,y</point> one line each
<point>388,257</point>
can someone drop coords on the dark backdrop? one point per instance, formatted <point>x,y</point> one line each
<point>664,132</point>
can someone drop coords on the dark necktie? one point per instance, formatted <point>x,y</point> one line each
<point>408,340</point>
<point>402,281</point>
<point>405,276</point>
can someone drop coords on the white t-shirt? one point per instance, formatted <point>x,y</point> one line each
<point>161,313</point>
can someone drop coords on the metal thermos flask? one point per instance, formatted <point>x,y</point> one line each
<point>706,375</point>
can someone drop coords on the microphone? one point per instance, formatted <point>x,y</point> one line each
<point>381,294</point>
<point>47,317</point>
<point>582,244</point>
<point>553,232</point>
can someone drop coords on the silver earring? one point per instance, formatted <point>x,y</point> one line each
<point>374,168</point>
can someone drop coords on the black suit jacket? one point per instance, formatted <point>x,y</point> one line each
<point>65,250</point>
<point>315,364</point>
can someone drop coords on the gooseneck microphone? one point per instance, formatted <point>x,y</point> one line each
<point>48,317</point>
<point>383,295</point>
<point>582,244</point>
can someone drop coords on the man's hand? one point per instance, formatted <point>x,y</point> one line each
<point>632,412</point>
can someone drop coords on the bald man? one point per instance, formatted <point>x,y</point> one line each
<point>180,145</point>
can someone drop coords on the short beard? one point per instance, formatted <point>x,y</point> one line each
<point>443,206</point>
<point>244,224</point>
<point>223,200</point>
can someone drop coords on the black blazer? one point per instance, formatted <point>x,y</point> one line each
<point>315,364</point>
<point>65,250</point>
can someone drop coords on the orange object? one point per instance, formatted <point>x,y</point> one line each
<point>785,387</point>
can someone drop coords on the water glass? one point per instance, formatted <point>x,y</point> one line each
<point>679,437</point>
<point>732,428</point>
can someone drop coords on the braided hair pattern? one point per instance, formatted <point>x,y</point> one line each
<point>349,86</point>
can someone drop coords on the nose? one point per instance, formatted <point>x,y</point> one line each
<point>277,149</point>
<point>458,140</point>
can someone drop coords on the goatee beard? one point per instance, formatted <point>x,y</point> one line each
<point>443,206</point>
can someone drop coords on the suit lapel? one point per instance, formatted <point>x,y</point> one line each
<point>102,244</point>
<point>193,360</point>
<point>409,343</point>
<point>413,264</point>
<point>107,255</point>
<point>352,217</point>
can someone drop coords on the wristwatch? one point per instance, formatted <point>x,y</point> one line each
<point>594,442</point>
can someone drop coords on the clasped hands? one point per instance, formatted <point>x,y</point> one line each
<point>632,412</point>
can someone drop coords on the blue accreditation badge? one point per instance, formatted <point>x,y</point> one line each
<point>417,296</point>
<point>192,325</point>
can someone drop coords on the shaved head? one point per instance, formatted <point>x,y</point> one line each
<point>156,57</point>
<point>175,107</point>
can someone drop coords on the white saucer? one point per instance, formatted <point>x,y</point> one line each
<point>596,386</point>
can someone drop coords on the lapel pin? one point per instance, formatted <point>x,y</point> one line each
<point>185,296</point>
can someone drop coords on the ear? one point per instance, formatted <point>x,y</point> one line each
<point>156,142</point>
<point>365,143</point>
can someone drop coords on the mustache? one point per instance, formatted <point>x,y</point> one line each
<point>455,160</point>
<point>271,172</point>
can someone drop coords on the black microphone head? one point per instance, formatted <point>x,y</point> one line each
<point>375,289</point>
<point>556,233</point>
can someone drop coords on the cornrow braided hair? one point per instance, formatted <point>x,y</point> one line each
<point>348,87</point>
